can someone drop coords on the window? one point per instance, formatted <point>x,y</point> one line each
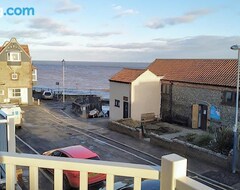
<point>1,92</point>
<point>125,98</point>
<point>117,103</point>
<point>14,56</point>
<point>56,153</point>
<point>14,76</point>
<point>64,155</point>
<point>34,75</point>
<point>165,89</point>
<point>229,98</point>
<point>16,92</point>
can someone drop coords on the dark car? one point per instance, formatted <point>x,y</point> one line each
<point>146,185</point>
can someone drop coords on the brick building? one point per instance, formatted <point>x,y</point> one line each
<point>17,74</point>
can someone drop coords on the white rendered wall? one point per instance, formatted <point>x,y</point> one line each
<point>117,92</point>
<point>146,95</point>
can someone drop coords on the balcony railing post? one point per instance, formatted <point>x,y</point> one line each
<point>110,182</point>
<point>58,179</point>
<point>10,176</point>
<point>83,181</point>
<point>173,167</point>
<point>33,172</point>
<point>11,134</point>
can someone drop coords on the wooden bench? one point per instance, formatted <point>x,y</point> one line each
<point>148,117</point>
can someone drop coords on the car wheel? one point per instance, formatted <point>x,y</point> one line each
<point>66,185</point>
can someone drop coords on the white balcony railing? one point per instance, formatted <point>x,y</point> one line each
<point>172,173</point>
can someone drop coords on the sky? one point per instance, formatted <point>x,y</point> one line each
<point>124,30</point>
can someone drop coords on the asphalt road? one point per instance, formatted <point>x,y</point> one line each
<point>43,131</point>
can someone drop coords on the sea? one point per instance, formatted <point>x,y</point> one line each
<point>80,77</point>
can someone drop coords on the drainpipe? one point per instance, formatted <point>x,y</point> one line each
<point>170,102</point>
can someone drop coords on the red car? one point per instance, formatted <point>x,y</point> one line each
<point>71,178</point>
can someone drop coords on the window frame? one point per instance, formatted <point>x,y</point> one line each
<point>225,99</point>
<point>34,75</point>
<point>14,78</point>
<point>11,54</point>
<point>165,89</point>
<point>15,93</point>
<point>117,103</point>
<point>1,92</point>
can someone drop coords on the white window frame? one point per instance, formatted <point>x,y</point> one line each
<point>14,76</point>
<point>1,92</point>
<point>34,75</point>
<point>14,92</point>
<point>14,56</point>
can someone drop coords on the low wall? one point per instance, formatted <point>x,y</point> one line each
<point>130,131</point>
<point>187,149</point>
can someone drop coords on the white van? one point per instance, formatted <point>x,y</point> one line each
<point>13,110</point>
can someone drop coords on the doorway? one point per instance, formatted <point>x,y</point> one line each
<point>125,109</point>
<point>199,116</point>
<point>202,116</point>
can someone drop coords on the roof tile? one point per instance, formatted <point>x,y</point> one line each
<point>127,75</point>
<point>24,47</point>
<point>220,72</point>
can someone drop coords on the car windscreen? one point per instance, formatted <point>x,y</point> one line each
<point>47,94</point>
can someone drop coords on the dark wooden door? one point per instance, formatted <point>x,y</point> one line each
<point>125,109</point>
<point>203,115</point>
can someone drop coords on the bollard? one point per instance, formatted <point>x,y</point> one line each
<point>39,102</point>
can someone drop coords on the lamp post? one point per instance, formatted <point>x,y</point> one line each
<point>235,128</point>
<point>63,76</point>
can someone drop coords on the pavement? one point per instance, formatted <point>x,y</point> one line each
<point>100,125</point>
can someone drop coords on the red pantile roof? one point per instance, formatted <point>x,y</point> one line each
<point>127,75</point>
<point>24,47</point>
<point>220,72</point>
<point>1,48</point>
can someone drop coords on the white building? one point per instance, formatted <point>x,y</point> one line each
<point>134,92</point>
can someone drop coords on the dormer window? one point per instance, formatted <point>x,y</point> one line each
<point>14,76</point>
<point>14,56</point>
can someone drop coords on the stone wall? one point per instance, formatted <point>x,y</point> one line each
<point>185,95</point>
<point>186,149</point>
<point>130,131</point>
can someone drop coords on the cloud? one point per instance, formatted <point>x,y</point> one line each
<point>54,43</point>
<point>67,6</point>
<point>121,12</point>
<point>201,47</point>
<point>31,34</point>
<point>100,34</point>
<point>197,46</point>
<point>186,18</point>
<point>50,26</point>
<point>129,46</point>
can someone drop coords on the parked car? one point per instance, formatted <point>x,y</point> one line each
<point>47,95</point>
<point>15,111</point>
<point>146,185</point>
<point>71,178</point>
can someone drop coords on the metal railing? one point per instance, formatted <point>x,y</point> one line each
<point>172,173</point>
